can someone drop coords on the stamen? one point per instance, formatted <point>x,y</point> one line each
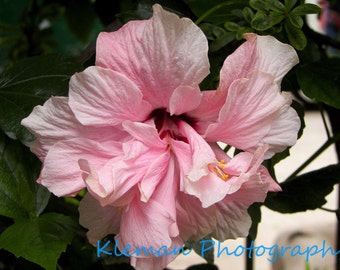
<point>217,169</point>
<point>221,164</point>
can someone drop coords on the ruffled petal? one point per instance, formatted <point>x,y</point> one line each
<point>144,132</point>
<point>264,53</point>
<point>233,219</point>
<point>251,107</point>
<point>158,55</point>
<point>145,225</point>
<point>167,191</point>
<point>194,221</point>
<point>158,263</point>
<point>268,180</point>
<point>141,165</point>
<point>153,224</point>
<point>201,152</point>
<point>259,53</point>
<point>154,175</point>
<point>100,221</point>
<point>208,110</point>
<point>182,152</point>
<point>102,97</point>
<point>61,173</point>
<point>209,189</point>
<point>184,99</point>
<point>115,184</point>
<point>55,121</point>
<point>283,130</point>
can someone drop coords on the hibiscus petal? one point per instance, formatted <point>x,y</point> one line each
<point>115,184</point>
<point>253,190</point>
<point>167,191</point>
<point>54,121</point>
<point>184,99</point>
<point>182,152</point>
<point>264,53</point>
<point>201,152</point>
<point>267,179</point>
<point>158,55</point>
<point>154,175</point>
<point>232,216</point>
<point>209,189</point>
<point>239,164</point>
<point>145,224</point>
<point>258,53</point>
<point>158,263</point>
<point>102,97</point>
<point>284,129</point>
<point>144,132</point>
<point>141,166</point>
<point>208,110</point>
<point>194,221</point>
<point>246,117</point>
<point>101,221</point>
<point>233,221</point>
<point>61,173</point>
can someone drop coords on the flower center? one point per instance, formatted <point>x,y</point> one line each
<point>167,125</point>
<point>217,169</point>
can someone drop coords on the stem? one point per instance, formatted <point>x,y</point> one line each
<point>215,8</point>
<point>322,112</point>
<point>227,148</point>
<point>328,143</point>
<point>208,13</point>
<point>249,260</point>
<point>328,210</point>
<point>320,38</point>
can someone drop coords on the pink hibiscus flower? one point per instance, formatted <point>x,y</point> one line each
<point>138,133</point>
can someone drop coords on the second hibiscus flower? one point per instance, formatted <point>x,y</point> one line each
<point>138,133</point>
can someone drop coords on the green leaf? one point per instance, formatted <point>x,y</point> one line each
<point>263,21</point>
<point>321,81</point>
<point>255,213</point>
<point>202,266</point>
<point>209,30</point>
<point>248,14</point>
<point>301,113</point>
<point>222,41</point>
<point>296,36</point>
<point>143,9</point>
<point>240,33</point>
<point>197,247</point>
<point>216,11</point>
<point>40,240</point>
<point>232,26</point>
<point>276,5</point>
<point>11,11</point>
<point>260,5</point>
<point>218,32</point>
<point>304,192</point>
<point>289,4</point>
<point>296,20</point>
<point>80,17</point>
<point>20,195</point>
<point>29,83</point>
<point>305,9</point>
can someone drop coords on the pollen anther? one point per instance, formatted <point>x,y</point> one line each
<point>217,169</point>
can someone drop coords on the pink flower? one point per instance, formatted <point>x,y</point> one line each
<point>138,133</point>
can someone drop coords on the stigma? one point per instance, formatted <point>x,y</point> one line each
<point>217,169</point>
